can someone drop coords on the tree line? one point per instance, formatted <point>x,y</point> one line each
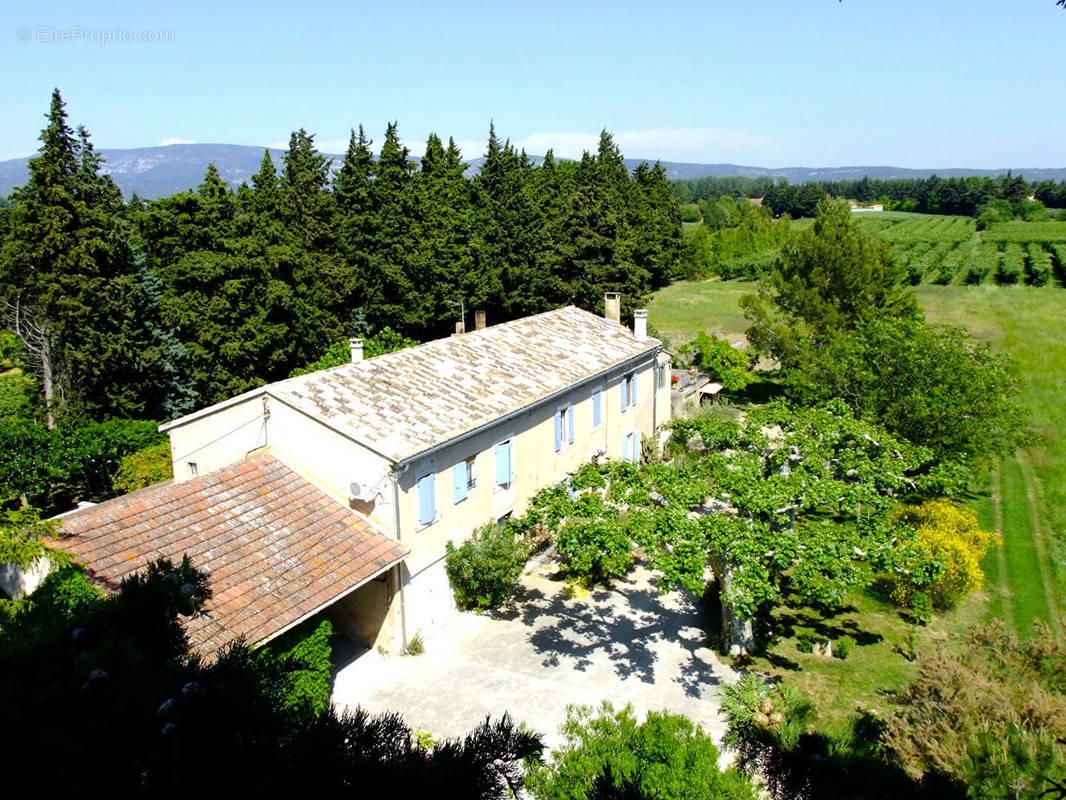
<point>149,309</point>
<point>967,196</point>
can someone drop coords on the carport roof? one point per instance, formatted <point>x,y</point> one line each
<point>276,548</point>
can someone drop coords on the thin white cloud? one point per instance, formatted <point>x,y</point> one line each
<point>176,140</point>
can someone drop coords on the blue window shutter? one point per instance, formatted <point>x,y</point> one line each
<point>597,408</point>
<point>558,431</point>
<point>636,446</point>
<point>427,507</point>
<point>459,482</point>
<point>503,464</point>
<point>633,390</point>
<point>625,393</point>
<point>570,423</point>
<point>625,447</point>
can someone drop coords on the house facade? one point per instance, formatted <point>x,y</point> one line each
<point>428,443</point>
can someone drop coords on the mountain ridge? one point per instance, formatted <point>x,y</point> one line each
<point>154,172</point>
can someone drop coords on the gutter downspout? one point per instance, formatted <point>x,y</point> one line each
<point>399,578</point>
<point>655,399</point>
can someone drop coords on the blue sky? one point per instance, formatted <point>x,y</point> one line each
<point>938,83</point>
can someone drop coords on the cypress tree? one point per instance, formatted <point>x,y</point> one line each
<point>65,277</point>
<point>390,296</point>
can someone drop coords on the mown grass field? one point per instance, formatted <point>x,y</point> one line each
<point>1025,497</point>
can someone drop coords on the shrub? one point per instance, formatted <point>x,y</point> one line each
<point>23,536</point>
<point>68,463</point>
<point>144,468</point>
<point>987,709</point>
<point>805,642</point>
<point>609,754</point>
<point>718,357</point>
<point>483,569</point>
<point>937,561</point>
<point>305,653</point>
<point>842,647</point>
<point>417,645</point>
<point>1011,266</point>
<point>65,590</point>
<point>1040,265</point>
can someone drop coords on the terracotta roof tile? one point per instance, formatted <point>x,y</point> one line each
<point>275,547</point>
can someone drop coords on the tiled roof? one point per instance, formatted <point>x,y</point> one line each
<point>403,403</point>
<point>275,547</point>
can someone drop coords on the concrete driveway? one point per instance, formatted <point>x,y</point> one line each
<point>626,644</point>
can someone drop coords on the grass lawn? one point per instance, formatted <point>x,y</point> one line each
<point>683,309</point>
<point>881,657</point>
<point>1025,499</point>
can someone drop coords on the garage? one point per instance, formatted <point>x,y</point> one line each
<point>428,602</point>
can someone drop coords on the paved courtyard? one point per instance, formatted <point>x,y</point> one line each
<point>626,644</point>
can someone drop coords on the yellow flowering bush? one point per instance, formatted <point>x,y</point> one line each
<point>939,563</point>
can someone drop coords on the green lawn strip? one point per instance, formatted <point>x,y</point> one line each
<point>1024,573</point>
<point>989,510</point>
<point>1033,501</point>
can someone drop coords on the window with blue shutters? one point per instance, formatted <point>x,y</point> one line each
<point>427,501</point>
<point>460,482</point>
<point>504,465</point>
<point>597,408</point>
<point>564,427</point>
<point>635,440</point>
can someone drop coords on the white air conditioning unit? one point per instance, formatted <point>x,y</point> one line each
<point>357,490</point>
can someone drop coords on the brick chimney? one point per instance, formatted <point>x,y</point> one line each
<point>355,346</point>
<point>612,307</point>
<point>640,324</point>
<point>479,320</point>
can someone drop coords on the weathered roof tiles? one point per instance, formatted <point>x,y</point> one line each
<point>275,547</point>
<point>403,403</point>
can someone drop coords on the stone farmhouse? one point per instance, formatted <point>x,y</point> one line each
<point>339,489</point>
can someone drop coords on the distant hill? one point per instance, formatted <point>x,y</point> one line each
<point>154,172</point>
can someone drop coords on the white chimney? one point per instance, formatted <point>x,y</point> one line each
<point>612,306</point>
<point>640,324</point>
<point>356,348</point>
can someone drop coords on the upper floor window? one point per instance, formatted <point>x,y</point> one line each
<point>661,376</point>
<point>427,500</point>
<point>629,391</point>
<point>564,427</point>
<point>597,407</point>
<point>504,464</point>
<point>460,481</point>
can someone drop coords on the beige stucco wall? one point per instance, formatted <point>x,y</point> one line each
<point>219,438</point>
<point>332,461</point>
<point>536,463</point>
